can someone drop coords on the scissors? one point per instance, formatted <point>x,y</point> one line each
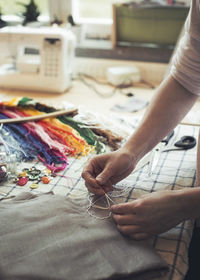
<point>184,143</point>
<point>152,156</point>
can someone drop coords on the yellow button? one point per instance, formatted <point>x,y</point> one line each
<point>34,186</point>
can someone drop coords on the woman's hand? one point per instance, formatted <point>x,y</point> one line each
<point>103,171</point>
<point>151,214</point>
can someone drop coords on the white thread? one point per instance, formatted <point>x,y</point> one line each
<point>94,205</point>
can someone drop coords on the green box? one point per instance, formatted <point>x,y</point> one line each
<point>158,25</point>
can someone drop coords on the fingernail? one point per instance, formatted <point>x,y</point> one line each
<point>100,180</point>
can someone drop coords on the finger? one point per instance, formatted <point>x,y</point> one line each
<point>129,229</point>
<point>124,208</point>
<point>108,187</point>
<point>92,183</point>
<point>105,175</point>
<point>139,236</point>
<point>87,174</point>
<point>91,169</point>
<point>125,219</point>
<point>94,188</point>
<point>89,178</point>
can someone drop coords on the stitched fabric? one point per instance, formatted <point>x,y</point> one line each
<point>52,237</point>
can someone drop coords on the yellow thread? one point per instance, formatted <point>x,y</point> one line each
<point>81,147</point>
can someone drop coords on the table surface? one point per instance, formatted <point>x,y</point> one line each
<point>170,173</point>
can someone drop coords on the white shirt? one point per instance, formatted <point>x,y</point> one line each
<point>186,61</point>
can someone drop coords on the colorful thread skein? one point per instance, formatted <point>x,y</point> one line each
<point>49,140</point>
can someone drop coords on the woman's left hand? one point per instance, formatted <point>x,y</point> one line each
<point>150,214</point>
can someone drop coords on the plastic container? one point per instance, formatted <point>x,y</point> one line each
<point>7,166</point>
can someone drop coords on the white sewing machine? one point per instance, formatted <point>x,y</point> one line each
<point>36,58</point>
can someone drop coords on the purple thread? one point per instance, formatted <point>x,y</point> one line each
<point>34,146</point>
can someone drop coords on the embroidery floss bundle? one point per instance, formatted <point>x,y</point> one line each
<point>9,145</point>
<point>34,108</point>
<point>49,140</point>
<point>33,147</point>
<point>107,127</point>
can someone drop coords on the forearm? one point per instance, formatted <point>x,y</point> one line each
<point>189,199</point>
<point>170,104</point>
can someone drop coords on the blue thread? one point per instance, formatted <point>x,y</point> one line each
<point>32,145</point>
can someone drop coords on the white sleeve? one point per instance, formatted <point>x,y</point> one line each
<point>186,61</point>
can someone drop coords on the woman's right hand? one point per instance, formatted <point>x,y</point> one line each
<point>103,171</point>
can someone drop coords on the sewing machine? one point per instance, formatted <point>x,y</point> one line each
<point>36,58</point>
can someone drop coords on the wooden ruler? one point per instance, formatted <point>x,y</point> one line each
<point>38,117</point>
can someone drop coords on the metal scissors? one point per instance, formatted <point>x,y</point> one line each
<point>151,157</point>
<point>185,143</point>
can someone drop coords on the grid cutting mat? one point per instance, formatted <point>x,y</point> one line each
<point>175,170</point>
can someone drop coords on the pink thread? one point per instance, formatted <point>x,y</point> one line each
<point>68,179</point>
<point>38,130</point>
<point>43,136</point>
